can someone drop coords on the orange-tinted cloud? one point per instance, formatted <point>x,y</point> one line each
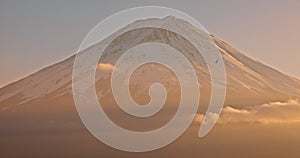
<point>274,112</point>
<point>105,66</point>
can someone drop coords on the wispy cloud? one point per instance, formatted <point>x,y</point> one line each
<point>274,112</point>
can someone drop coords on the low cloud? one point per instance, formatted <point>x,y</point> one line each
<point>274,112</point>
<point>105,67</point>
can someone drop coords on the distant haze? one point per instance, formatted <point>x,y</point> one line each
<point>35,34</point>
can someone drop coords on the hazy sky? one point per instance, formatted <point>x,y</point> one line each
<point>34,34</point>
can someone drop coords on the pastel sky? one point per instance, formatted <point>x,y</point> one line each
<point>34,34</point>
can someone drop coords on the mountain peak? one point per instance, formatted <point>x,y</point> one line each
<point>250,80</point>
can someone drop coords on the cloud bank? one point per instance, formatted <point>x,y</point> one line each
<point>274,112</point>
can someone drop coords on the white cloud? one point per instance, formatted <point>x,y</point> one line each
<point>274,112</point>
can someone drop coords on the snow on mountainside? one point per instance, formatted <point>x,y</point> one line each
<point>249,81</point>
